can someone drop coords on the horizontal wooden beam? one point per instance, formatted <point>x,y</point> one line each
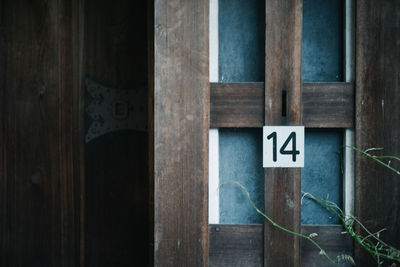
<point>324,105</point>
<point>331,239</point>
<point>236,105</point>
<point>236,245</point>
<point>242,245</point>
<point>328,105</point>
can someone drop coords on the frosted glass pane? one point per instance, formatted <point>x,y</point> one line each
<point>241,40</point>
<point>322,62</point>
<point>321,175</point>
<point>240,159</point>
<point>322,42</point>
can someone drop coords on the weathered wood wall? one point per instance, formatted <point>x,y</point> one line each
<point>38,215</point>
<point>378,118</point>
<point>63,203</point>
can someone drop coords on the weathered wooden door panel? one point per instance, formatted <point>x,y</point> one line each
<point>116,159</point>
<point>50,215</point>
<point>377,191</point>
<point>38,219</point>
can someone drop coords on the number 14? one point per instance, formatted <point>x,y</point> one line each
<point>283,146</point>
<point>292,152</point>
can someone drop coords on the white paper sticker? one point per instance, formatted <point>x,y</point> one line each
<point>283,146</point>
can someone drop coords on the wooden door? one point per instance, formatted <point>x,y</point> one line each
<point>283,99</point>
<point>115,225</point>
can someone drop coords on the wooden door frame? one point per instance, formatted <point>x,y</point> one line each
<point>179,123</point>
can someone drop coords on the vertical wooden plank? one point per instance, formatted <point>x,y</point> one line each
<point>377,190</point>
<point>69,201</point>
<point>38,186</point>
<point>116,163</point>
<point>3,181</point>
<point>282,73</point>
<point>181,124</point>
<point>78,126</point>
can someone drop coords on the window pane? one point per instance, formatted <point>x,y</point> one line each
<point>322,44</point>
<point>321,175</point>
<point>241,40</point>
<point>240,159</point>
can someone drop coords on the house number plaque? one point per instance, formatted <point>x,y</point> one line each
<point>283,146</point>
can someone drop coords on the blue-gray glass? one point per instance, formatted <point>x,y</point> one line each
<point>322,62</point>
<point>322,45</point>
<point>240,153</point>
<point>241,33</point>
<point>321,175</point>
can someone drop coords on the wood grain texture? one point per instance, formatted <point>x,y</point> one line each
<point>328,105</point>
<point>116,167</point>
<point>331,239</point>
<point>38,186</point>
<point>236,245</point>
<point>3,134</point>
<point>79,124</point>
<point>236,104</point>
<point>181,123</point>
<point>324,105</point>
<point>242,245</point>
<point>69,136</point>
<point>282,73</point>
<point>377,190</point>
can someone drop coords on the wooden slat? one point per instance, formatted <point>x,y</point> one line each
<point>38,200</point>
<point>68,133</point>
<point>282,73</point>
<point>3,145</point>
<point>236,104</point>
<point>242,245</point>
<point>331,239</point>
<point>79,124</point>
<point>181,125</point>
<point>377,190</point>
<point>236,245</point>
<point>327,105</point>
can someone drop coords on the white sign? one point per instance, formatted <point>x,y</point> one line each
<point>283,146</point>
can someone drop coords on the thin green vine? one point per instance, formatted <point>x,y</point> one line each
<point>371,242</point>
<point>378,158</point>
<point>309,238</point>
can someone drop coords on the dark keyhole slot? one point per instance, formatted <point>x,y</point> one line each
<point>284,103</point>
